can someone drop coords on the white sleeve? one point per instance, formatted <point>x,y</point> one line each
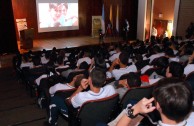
<point>53,89</point>
<point>77,101</point>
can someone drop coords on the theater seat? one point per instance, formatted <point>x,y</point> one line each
<point>136,94</point>
<point>95,111</point>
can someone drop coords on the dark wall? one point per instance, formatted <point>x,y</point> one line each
<point>16,9</point>
<point>127,10</point>
<point>8,41</point>
<point>87,9</point>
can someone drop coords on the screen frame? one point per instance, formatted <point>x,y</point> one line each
<point>52,29</point>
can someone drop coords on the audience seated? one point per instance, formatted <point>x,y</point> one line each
<point>175,70</point>
<point>156,53</point>
<point>168,99</point>
<point>170,55</point>
<point>95,81</point>
<point>86,58</point>
<point>132,80</point>
<point>186,52</point>
<point>190,66</point>
<point>122,61</point>
<point>116,54</point>
<point>162,58</point>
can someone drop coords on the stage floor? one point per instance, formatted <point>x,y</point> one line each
<point>48,44</point>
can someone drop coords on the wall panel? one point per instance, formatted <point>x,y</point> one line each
<point>185,16</point>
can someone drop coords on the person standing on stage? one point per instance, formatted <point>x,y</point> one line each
<point>126,30</point>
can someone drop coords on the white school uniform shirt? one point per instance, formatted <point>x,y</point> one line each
<point>39,78</point>
<point>154,56</point>
<point>26,64</point>
<point>86,59</point>
<point>114,56</point>
<point>112,52</point>
<point>117,73</point>
<point>145,68</point>
<point>173,59</point>
<point>82,97</point>
<point>188,69</point>
<point>59,86</point>
<point>44,60</point>
<point>183,123</point>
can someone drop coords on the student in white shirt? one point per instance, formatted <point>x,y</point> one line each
<point>95,81</point>
<point>173,100</point>
<point>60,86</point>
<point>190,66</point>
<point>132,80</point>
<point>116,55</point>
<point>85,58</point>
<point>122,62</point>
<point>157,53</point>
<point>170,55</point>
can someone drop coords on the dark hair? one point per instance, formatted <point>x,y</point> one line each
<point>60,60</point>
<point>162,62</point>
<point>98,77</point>
<point>176,69</point>
<point>174,97</point>
<point>36,60</point>
<point>188,49</point>
<point>100,62</point>
<point>133,80</point>
<point>156,49</point>
<point>139,57</point>
<point>84,65</point>
<point>169,52</point>
<point>78,80</point>
<point>124,58</point>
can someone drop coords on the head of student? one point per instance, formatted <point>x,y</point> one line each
<point>97,78</point>
<point>175,69</point>
<point>173,99</point>
<point>133,80</point>
<point>124,58</point>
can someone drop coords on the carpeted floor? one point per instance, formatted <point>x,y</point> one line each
<point>17,108</point>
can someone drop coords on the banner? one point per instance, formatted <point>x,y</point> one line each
<point>21,25</point>
<point>96,25</point>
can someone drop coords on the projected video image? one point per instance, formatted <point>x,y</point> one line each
<point>57,16</point>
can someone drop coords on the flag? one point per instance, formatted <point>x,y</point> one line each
<point>117,19</point>
<point>110,16</point>
<point>103,20</point>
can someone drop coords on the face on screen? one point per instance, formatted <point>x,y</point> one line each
<point>57,16</point>
<point>53,11</point>
<point>62,8</point>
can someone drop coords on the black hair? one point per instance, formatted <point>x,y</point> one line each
<point>36,60</point>
<point>84,65</point>
<point>133,80</point>
<point>60,60</point>
<point>98,77</point>
<point>174,97</point>
<point>156,49</point>
<point>188,49</point>
<point>169,52</point>
<point>176,69</point>
<point>124,58</point>
<point>100,62</point>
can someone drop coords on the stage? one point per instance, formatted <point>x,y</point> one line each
<point>70,42</point>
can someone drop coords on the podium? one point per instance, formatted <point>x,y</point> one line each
<point>26,38</point>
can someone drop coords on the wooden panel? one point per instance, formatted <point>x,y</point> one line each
<point>185,16</point>
<point>87,9</point>
<point>27,9</point>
